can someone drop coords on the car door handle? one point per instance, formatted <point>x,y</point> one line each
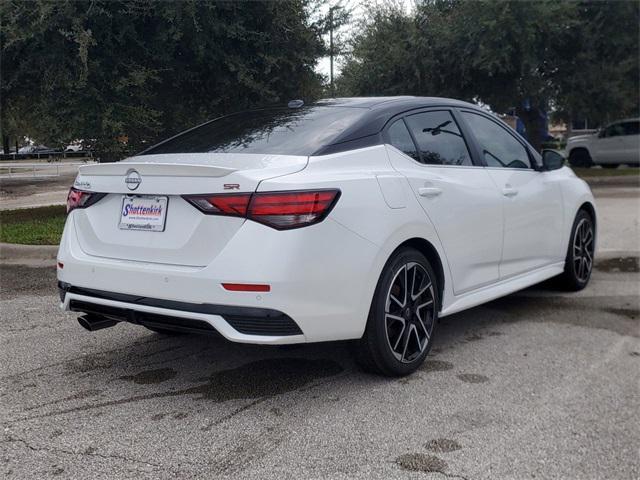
<point>429,192</point>
<point>509,192</point>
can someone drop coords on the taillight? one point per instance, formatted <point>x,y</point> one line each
<point>283,210</point>
<point>81,199</point>
<point>234,204</point>
<point>280,210</point>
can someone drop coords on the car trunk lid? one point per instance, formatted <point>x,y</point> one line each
<point>188,237</point>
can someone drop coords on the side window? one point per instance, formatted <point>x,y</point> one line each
<point>631,128</point>
<point>499,148</point>
<point>400,138</point>
<point>615,130</point>
<point>439,139</point>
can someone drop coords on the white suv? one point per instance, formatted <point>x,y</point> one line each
<point>617,143</point>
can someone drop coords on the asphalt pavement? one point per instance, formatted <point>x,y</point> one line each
<point>539,384</point>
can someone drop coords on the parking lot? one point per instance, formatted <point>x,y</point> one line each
<point>540,384</point>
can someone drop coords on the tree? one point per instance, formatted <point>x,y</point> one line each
<point>382,60</point>
<point>598,72</point>
<point>579,58</point>
<point>142,70</point>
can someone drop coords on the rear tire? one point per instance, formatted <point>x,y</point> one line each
<point>403,316</point>
<point>580,254</point>
<point>610,165</point>
<point>580,158</point>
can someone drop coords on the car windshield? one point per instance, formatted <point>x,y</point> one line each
<point>286,131</point>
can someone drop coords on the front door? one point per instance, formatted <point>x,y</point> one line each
<point>609,147</point>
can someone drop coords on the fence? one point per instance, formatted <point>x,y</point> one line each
<point>22,170</point>
<point>49,156</point>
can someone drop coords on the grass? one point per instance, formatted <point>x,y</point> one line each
<point>33,226</point>
<point>44,225</point>
<point>605,172</point>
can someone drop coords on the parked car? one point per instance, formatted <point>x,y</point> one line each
<point>74,147</point>
<point>35,149</point>
<point>618,143</point>
<point>364,219</point>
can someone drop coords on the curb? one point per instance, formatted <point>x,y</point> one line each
<point>621,181</point>
<point>15,254</point>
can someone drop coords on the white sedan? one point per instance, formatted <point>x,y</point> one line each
<point>616,144</point>
<point>364,219</point>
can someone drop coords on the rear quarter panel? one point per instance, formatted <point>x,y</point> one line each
<point>384,220</point>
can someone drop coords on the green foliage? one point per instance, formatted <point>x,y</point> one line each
<point>581,58</point>
<point>33,226</point>
<point>142,69</point>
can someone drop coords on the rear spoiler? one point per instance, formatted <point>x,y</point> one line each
<point>156,169</point>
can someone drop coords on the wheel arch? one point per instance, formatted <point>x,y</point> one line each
<point>578,149</point>
<point>591,210</point>
<point>429,251</point>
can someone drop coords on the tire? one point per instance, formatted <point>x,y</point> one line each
<point>580,254</point>
<point>163,331</point>
<point>610,165</point>
<point>580,158</point>
<point>400,328</point>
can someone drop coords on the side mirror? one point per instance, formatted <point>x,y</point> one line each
<point>552,160</point>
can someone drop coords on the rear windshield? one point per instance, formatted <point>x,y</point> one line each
<point>285,131</point>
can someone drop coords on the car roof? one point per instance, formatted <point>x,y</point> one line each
<point>391,103</point>
<point>381,110</point>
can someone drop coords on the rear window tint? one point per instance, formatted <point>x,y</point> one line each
<point>439,139</point>
<point>285,131</point>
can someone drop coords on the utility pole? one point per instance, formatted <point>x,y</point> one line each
<point>331,51</point>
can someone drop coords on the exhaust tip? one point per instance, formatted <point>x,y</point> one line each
<point>95,322</point>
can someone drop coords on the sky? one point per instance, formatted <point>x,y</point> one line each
<point>359,10</point>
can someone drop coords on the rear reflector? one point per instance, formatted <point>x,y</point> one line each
<point>81,199</point>
<point>280,210</point>
<point>246,287</point>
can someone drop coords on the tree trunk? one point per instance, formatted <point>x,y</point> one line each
<point>5,144</point>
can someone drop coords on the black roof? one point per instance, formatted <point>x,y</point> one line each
<point>359,126</point>
<point>381,110</point>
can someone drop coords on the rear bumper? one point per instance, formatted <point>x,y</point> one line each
<point>229,321</point>
<point>321,279</point>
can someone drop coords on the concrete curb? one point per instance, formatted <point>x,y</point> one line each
<point>621,181</point>
<point>37,255</point>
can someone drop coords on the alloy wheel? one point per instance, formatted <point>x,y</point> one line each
<point>410,312</point>
<point>583,250</point>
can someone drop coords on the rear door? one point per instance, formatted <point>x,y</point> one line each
<point>181,235</point>
<point>532,201</point>
<point>457,196</point>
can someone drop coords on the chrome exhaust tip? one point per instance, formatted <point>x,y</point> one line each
<point>95,322</point>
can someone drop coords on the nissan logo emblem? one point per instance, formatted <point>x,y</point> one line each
<point>133,179</point>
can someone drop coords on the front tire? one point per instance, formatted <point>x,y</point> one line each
<point>580,253</point>
<point>580,158</point>
<point>403,316</point>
